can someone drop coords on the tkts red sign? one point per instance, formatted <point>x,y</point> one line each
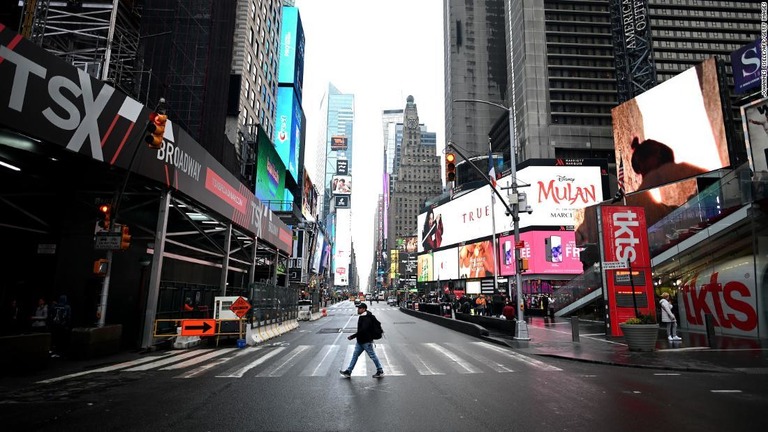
<point>625,239</point>
<point>625,235</point>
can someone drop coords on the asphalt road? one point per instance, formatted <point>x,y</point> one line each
<point>436,380</point>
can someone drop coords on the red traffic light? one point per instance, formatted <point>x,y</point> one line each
<point>125,238</point>
<point>155,130</point>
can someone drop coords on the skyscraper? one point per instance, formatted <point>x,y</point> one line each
<point>417,177</point>
<point>340,116</point>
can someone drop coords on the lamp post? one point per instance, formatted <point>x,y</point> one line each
<point>521,329</point>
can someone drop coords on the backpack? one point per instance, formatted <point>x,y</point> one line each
<point>377,332</point>
<point>61,316</point>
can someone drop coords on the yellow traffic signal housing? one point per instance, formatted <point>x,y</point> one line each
<point>450,167</point>
<point>523,264</point>
<point>125,238</point>
<point>106,211</point>
<point>100,267</point>
<point>156,130</point>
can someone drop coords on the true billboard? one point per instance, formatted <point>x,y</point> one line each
<point>291,57</point>
<point>287,136</point>
<point>270,171</point>
<point>554,193</point>
<point>673,131</point>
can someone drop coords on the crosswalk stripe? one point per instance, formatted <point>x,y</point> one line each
<point>202,358</point>
<point>110,368</point>
<point>517,356</point>
<point>422,367</point>
<point>496,366</point>
<point>462,366</point>
<point>203,368</point>
<point>391,368</point>
<point>165,361</point>
<point>238,373</point>
<point>321,363</point>
<point>361,367</point>
<point>280,368</point>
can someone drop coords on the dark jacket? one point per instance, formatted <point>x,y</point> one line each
<point>365,326</point>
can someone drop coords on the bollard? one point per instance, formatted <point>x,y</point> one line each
<point>575,329</point>
<point>709,324</point>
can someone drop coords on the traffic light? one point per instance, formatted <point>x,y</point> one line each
<point>125,238</point>
<point>155,130</point>
<point>106,214</point>
<point>450,167</point>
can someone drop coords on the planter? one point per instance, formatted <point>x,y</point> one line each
<point>640,337</point>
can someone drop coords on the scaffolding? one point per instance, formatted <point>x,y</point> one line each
<point>100,37</point>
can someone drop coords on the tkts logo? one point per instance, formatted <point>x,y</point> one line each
<point>625,235</point>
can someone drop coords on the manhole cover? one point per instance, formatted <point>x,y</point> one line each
<point>405,322</point>
<point>329,330</point>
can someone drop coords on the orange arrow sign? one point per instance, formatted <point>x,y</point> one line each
<point>192,327</point>
<point>240,307</point>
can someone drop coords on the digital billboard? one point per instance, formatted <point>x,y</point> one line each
<point>343,245</point>
<point>554,193</point>
<point>445,264</point>
<point>754,118</point>
<point>270,171</point>
<point>674,131</point>
<point>288,126</point>
<point>476,260</point>
<point>342,167</point>
<point>425,271</point>
<point>407,244</point>
<point>341,185</point>
<point>318,252</point>
<point>291,56</point>
<point>745,62</point>
<point>548,252</point>
<point>338,143</point>
<point>308,199</point>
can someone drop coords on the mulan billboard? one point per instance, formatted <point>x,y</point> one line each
<point>288,127</point>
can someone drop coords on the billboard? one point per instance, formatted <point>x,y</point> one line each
<point>341,201</point>
<point>674,131</point>
<point>407,244</point>
<point>343,246</point>
<point>291,55</point>
<point>446,264</point>
<point>625,239</point>
<point>424,268</point>
<point>341,185</point>
<point>476,260</point>
<point>308,198</point>
<point>342,167</point>
<point>270,171</point>
<point>554,194</point>
<point>754,118</point>
<point>287,136</point>
<point>338,143</point>
<point>318,251</point>
<point>632,47</point>
<point>745,62</point>
<point>548,252</point>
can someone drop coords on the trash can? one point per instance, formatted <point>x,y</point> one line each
<point>305,310</point>
<point>445,309</point>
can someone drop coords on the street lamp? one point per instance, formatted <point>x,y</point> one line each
<point>521,329</point>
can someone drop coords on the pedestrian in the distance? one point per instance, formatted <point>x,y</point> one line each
<point>367,325</point>
<point>668,318</point>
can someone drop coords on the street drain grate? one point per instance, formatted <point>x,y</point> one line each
<point>405,322</point>
<point>329,330</point>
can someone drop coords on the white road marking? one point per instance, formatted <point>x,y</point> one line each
<point>421,366</point>
<point>496,366</point>
<point>517,356</point>
<point>110,368</point>
<point>166,361</point>
<point>197,371</point>
<point>240,372</point>
<point>280,368</point>
<point>725,391</point>
<point>322,362</point>
<point>667,374</point>
<point>197,360</point>
<point>391,368</point>
<point>463,367</point>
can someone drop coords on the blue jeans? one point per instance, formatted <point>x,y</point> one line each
<point>367,347</point>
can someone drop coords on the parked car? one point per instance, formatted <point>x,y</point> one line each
<point>392,301</point>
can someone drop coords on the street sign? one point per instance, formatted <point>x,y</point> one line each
<point>614,265</point>
<point>240,307</point>
<point>198,327</point>
<point>107,241</point>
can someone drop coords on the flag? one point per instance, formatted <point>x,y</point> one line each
<point>621,176</point>
<point>491,169</point>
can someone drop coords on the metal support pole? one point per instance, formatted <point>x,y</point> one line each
<point>493,222</point>
<point>252,273</point>
<point>102,311</point>
<point>225,259</point>
<point>110,37</point>
<point>157,268</point>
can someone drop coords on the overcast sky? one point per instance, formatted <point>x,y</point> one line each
<point>381,52</point>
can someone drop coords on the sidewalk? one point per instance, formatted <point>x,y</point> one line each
<point>553,338</point>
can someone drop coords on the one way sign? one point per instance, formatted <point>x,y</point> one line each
<point>193,327</point>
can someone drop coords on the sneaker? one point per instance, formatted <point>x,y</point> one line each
<point>677,338</point>
<point>345,373</point>
<point>378,374</point>
<point>670,338</point>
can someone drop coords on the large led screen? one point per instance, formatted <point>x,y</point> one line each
<point>754,117</point>
<point>291,61</point>
<point>446,264</point>
<point>341,185</point>
<point>270,171</point>
<point>343,245</point>
<point>476,260</point>
<point>425,270</point>
<point>554,193</point>
<point>308,199</point>
<point>548,252</point>
<point>318,252</point>
<point>674,131</point>
<point>288,129</point>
